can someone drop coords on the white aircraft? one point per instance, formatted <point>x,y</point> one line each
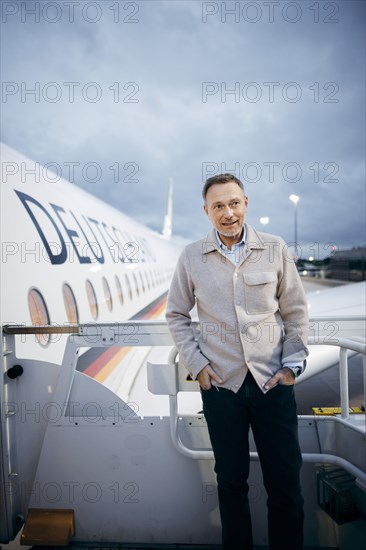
<point>68,257</point>
<point>326,308</point>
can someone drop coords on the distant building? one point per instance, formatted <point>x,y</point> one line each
<point>349,265</point>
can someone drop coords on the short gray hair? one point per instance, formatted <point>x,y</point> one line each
<point>220,178</point>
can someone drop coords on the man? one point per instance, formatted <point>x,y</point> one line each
<point>253,316</point>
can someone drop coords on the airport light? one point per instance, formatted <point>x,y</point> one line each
<point>295,199</point>
<point>264,221</point>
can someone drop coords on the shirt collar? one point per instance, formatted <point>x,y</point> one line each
<point>253,240</point>
<point>236,245</point>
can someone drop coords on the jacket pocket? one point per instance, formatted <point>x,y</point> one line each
<point>260,292</point>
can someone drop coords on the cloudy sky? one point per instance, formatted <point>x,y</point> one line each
<point>128,94</point>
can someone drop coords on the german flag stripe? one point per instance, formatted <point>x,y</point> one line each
<point>152,310</point>
<point>99,363</point>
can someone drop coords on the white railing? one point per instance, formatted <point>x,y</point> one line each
<point>345,345</point>
<point>166,379</point>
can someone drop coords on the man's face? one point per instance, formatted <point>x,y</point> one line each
<point>226,206</point>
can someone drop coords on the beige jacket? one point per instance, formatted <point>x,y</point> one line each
<point>252,316</point>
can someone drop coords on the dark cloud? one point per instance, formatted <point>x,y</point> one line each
<point>308,114</point>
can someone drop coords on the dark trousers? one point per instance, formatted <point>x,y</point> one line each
<point>273,420</point>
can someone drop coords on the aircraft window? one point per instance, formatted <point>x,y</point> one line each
<point>128,286</point>
<point>39,314</point>
<point>142,282</point>
<point>107,294</point>
<point>70,304</point>
<point>136,285</point>
<point>92,299</point>
<point>119,290</point>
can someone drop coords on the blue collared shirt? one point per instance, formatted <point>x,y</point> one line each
<point>236,253</point>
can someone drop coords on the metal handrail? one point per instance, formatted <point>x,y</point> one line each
<point>344,344</point>
<point>78,328</point>
<point>69,328</point>
<point>204,454</point>
<point>40,329</point>
<point>149,328</point>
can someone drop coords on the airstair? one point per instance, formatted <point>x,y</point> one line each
<point>80,468</point>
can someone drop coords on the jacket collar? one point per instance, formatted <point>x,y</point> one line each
<point>252,241</point>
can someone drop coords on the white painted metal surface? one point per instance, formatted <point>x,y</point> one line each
<point>69,442</point>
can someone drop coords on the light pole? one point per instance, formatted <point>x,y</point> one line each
<point>264,221</point>
<point>295,200</point>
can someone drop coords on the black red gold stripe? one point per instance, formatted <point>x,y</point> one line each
<point>98,363</point>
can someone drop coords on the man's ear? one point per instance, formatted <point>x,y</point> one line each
<point>205,209</point>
